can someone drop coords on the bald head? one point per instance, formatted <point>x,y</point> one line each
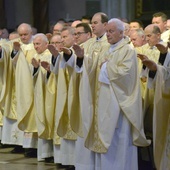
<point>153,28</point>
<point>153,34</point>
<point>25,32</point>
<point>24,26</point>
<point>75,23</point>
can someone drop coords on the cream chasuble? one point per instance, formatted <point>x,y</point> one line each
<point>91,47</point>
<point>3,79</point>
<point>153,54</point>
<point>161,116</point>
<point>123,75</point>
<point>25,47</point>
<point>3,41</point>
<point>3,75</point>
<point>45,100</point>
<point>75,115</point>
<point>96,140</point>
<point>88,92</point>
<point>62,109</point>
<point>148,94</point>
<point>25,95</point>
<point>7,98</point>
<point>73,98</point>
<point>165,36</point>
<point>42,91</point>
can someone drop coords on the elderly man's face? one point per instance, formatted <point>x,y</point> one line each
<point>40,45</point>
<point>136,39</point>
<point>151,37</point>
<point>113,34</point>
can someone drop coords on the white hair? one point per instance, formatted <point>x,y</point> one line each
<point>43,37</point>
<point>119,24</point>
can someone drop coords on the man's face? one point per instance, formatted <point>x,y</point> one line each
<point>57,42</point>
<point>134,25</point>
<point>113,34</point>
<point>57,28</point>
<point>137,40</point>
<point>67,38</point>
<point>25,35</point>
<point>40,45</point>
<point>97,26</point>
<point>160,23</point>
<point>151,38</point>
<point>81,36</point>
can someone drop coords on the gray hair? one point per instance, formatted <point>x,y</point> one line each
<point>139,32</point>
<point>119,24</point>
<point>43,37</point>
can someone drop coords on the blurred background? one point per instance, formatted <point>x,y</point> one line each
<point>43,14</point>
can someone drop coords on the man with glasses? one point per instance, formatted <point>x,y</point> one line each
<point>82,33</point>
<point>56,40</point>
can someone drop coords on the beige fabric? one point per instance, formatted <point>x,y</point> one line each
<point>25,96</point>
<point>45,99</point>
<point>124,79</point>
<point>89,91</point>
<point>75,115</point>
<point>93,140</point>
<point>3,78</point>
<point>62,106</point>
<point>167,146</point>
<point>3,73</point>
<point>45,56</point>
<point>160,118</point>
<point>165,36</point>
<point>7,98</point>
<point>3,41</point>
<point>147,94</point>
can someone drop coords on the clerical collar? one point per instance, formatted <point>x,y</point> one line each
<point>98,38</point>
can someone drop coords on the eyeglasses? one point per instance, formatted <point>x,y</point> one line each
<point>79,33</point>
